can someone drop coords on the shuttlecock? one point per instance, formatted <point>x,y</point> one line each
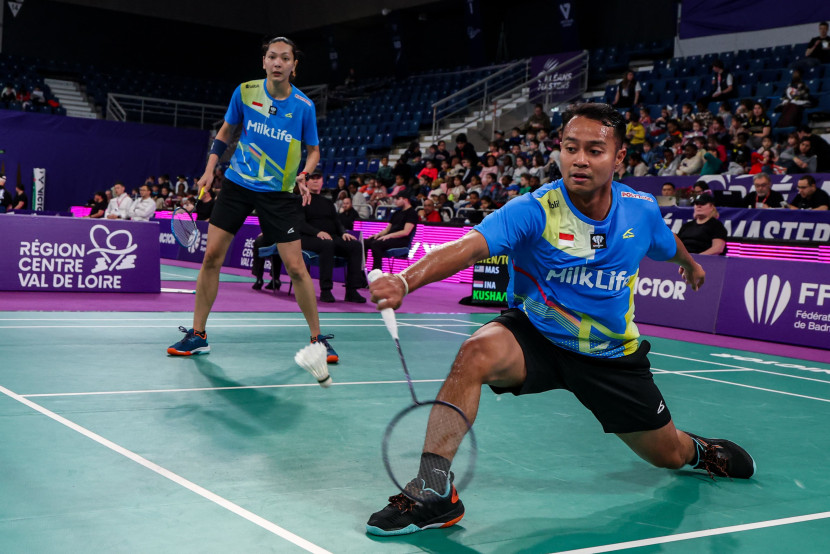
<point>312,358</point>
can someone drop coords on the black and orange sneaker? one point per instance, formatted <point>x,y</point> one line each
<point>193,343</point>
<point>331,355</point>
<point>403,515</point>
<point>722,458</point>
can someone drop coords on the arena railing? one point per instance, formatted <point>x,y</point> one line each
<point>142,109</point>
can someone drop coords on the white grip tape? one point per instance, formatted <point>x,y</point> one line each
<point>388,314</point>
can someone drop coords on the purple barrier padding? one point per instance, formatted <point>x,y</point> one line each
<point>778,224</point>
<point>41,212</point>
<point>785,184</point>
<point>776,301</point>
<point>240,254</point>
<point>42,253</point>
<point>702,18</point>
<point>84,155</point>
<point>661,297</point>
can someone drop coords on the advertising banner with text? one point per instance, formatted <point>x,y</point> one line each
<point>42,253</point>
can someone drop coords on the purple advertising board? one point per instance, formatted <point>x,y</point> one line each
<point>43,253</point>
<point>794,225</point>
<point>560,85</point>
<point>661,297</point>
<point>787,185</point>
<point>776,301</point>
<point>240,254</point>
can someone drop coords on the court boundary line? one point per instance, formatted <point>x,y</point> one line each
<point>208,389</point>
<point>687,374</point>
<point>175,478</point>
<point>697,534</point>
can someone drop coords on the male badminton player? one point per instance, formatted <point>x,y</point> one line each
<point>276,118</point>
<point>575,246</point>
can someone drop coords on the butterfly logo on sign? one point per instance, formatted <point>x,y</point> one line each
<point>115,253</point>
<point>766,298</point>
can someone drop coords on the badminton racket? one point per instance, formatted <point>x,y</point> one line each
<point>450,432</point>
<point>183,225</point>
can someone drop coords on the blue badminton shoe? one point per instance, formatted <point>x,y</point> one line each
<point>193,343</point>
<point>331,355</point>
<point>403,515</point>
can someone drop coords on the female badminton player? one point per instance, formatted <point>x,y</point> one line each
<point>276,119</point>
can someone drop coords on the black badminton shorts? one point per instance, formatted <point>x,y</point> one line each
<point>619,391</point>
<point>280,213</point>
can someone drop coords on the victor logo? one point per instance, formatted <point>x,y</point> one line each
<point>766,298</point>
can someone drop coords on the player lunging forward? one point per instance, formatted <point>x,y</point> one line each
<point>575,246</point>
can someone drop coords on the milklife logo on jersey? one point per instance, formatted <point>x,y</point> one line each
<point>272,132</point>
<point>584,277</point>
<point>766,298</point>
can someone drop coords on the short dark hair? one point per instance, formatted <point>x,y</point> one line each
<point>670,184</point>
<point>820,23</point>
<point>604,113</point>
<point>702,185</point>
<point>809,178</point>
<point>718,63</point>
<point>461,137</point>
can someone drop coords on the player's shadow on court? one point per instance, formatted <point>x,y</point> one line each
<point>259,412</point>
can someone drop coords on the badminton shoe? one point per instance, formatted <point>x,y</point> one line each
<point>723,458</point>
<point>403,515</point>
<point>331,356</point>
<point>192,343</point>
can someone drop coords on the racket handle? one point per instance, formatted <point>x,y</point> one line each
<point>388,314</point>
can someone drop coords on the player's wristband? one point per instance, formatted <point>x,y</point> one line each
<point>403,280</point>
<point>303,173</point>
<point>218,147</point>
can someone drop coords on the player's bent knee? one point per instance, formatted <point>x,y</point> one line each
<point>479,358</point>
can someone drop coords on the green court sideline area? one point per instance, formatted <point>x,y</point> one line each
<point>109,445</point>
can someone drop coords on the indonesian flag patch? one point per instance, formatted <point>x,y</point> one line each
<point>566,239</point>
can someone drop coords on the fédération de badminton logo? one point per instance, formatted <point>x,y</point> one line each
<point>766,298</point>
<point>113,247</point>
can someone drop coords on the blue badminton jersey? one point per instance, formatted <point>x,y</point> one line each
<point>268,153</point>
<point>574,277</point>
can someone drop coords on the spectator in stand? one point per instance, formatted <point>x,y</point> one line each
<point>738,165</point>
<point>441,152</point>
<point>120,204</point>
<point>805,161</point>
<point>701,187</point>
<point>636,165</point>
<point>785,158</point>
<point>628,91</point>
<point>818,50</point>
<point>686,117</point>
<point>661,123</point>
<point>711,162</point>
<point>668,189</point>
<point>538,167</point>
<point>507,169</point>
<point>413,150</point>
<point>180,188</point>
<point>649,155</point>
<point>722,85</point>
<point>819,147</point>
<point>402,168</point>
<point>384,173</point>
<point>725,113</point>
<point>740,148</point>
<point>635,132</point>
<point>712,143</point>
<point>143,207</point>
<point>704,116</point>
<point>398,186</point>
<point>8,95</point>
<point>695,131</point>
<point>467,171</point>
<point>457,189</point>
<point>430,153</point>
<point>692,161</point>
<point>719,132</point>
<point>704,234</point>
<point>763,196</point>
<point>429,170</point>
<point>515,137</point>
<point>475,184</point>
<point>521,168</point>
<point>796,98</point>
<point>416,164</point>
<point>429,214</point>
<point>490,168</point>
<point>809,196</point>
<point>645,117</point>
<point>492,188</point>
<point>463,149</point>
<point>758,125</point>
<point>767,144</point>
<point>539,119</point>
<point>669,165</point>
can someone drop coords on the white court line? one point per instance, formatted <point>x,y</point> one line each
<point>688,374</point>
<point>706,370</point>
<point>742,367</point>
<point>167,474</point>
<point>240,387</point>
<point>697,534</point>
<point>188,277</point>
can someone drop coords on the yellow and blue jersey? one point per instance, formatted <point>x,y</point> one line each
<point>574,277</point>
<point>268,154</point>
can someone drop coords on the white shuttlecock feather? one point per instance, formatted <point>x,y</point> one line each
<point>312,358</point>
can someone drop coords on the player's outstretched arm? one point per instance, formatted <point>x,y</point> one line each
<point>441,262</point>
<point>690,270</point>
